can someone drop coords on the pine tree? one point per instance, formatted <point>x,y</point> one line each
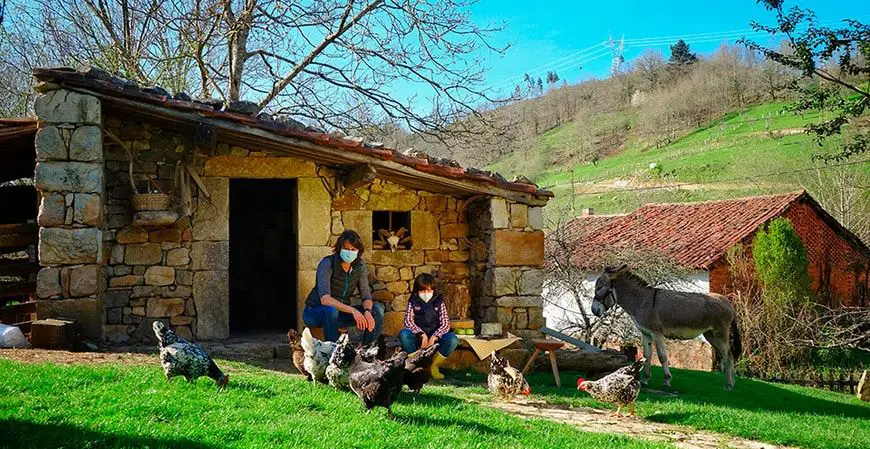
<point>552,77</point>
<point>540,86</point>
<point>681,55</point>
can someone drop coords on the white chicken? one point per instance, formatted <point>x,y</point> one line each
<point>317,354</point>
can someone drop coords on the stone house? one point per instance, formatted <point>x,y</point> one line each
<point>259,201</point>
<point>698,235</point>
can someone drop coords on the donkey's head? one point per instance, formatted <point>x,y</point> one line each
<point>605,295</point>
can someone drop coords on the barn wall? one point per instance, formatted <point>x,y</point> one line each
<point>837,268</point>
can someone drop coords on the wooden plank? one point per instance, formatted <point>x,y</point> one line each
<point>580,344</point>
<point>20,288</point>
<point>20,308</point>
<point>18,241</point>
<point>19,228</point>
<point>17,268</point>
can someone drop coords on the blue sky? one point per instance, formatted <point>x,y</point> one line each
<point>556,32</point>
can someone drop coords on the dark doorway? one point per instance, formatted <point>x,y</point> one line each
<point>262,255</point>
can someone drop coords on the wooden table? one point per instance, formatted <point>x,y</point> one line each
<point>550,347</point>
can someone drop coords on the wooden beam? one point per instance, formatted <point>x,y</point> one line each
<point>580,344</point>
<point>263,139</point>
<point>19,228</point>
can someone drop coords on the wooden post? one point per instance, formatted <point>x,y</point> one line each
<point>555,368</point>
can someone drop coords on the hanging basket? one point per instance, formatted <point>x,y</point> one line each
<point>151,201</point>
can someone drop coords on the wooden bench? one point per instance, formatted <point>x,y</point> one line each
<point>317,332</point>
<point>550,347</point>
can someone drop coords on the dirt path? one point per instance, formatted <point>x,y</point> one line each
<point>78,358</point>
<point>601,421</point>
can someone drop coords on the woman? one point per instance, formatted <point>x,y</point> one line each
<point>339,276</point>
<point>427,323</point>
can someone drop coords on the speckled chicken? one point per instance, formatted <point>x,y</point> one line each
<point>620,387</point>
<point>295,338</point>
<point>504,380</point>
<point>180,357</point>
<point>378,383</point>
<point>339,362</point>
<point>418,368</point>
<point>317,355</point>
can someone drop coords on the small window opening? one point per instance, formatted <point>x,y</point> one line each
<point>391,230</point>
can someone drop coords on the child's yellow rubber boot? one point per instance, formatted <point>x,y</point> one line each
<point>437,361</point>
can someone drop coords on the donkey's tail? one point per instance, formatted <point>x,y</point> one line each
<point>736,346</point>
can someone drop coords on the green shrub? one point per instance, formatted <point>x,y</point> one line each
<point>781,264</point>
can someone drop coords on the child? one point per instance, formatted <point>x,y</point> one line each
<point>427,323</point>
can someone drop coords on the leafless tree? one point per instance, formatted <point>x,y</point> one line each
<point>569,281</point>
<point>411,63</point>
<point>779,337</point>
<point>651,66</point>
<point>844,192</point>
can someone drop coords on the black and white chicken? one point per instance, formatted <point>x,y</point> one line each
<point>378,383</point>
<point>180,357</point>
<point>504,380</point>
<point>418,368</point>
<point>317,354</point>
<point>620,387</point>
<point>339,362</point>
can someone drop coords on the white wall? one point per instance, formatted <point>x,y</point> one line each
<point>559,305</point>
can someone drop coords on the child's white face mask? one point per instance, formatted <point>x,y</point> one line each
<point>426,296</point>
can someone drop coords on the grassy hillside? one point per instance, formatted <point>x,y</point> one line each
<point>733,156</point>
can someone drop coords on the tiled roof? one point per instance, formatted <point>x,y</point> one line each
<point>695,235</point>
<point>247,113</point>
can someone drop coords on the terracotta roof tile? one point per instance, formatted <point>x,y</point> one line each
<point>695,235</point>
<point>103,82</point>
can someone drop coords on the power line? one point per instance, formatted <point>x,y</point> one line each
<point>719,181</point>
<point>576,55</point>
<point>579,56</point>
<point>597,54</point>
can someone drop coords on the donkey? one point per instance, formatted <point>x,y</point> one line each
<point>660,313</point>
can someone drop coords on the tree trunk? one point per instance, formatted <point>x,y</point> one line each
<point>591,362</point>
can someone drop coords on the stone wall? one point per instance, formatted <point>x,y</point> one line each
<point>439,244</point>
<point>508,275</point>
<point>70,178</point>
<point>180,274</point>
<point>151,273</point>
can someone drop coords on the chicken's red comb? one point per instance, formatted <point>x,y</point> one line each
<point>580,381</point>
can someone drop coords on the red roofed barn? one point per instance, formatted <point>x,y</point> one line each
<point>698,235</point>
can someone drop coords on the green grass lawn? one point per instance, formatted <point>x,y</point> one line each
<point>780,414</point>
<point>95,406</point>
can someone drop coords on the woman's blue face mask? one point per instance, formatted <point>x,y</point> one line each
<point>348,255</point>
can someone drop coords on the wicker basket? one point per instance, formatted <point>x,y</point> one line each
<point>151,201</point>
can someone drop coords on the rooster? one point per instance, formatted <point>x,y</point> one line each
<point>294,338</point>
<point>504,380</point>
<point>339,362</point>
<point>378,383</point>
<point>418,368</point>
<point>180,357</point>
<point>620,387</point>
<point>317,355</point>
